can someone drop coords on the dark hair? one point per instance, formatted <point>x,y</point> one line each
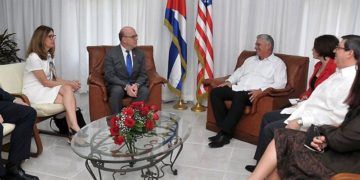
<point>325,45</point>
<point>352,42</point>
<point>36,44</point>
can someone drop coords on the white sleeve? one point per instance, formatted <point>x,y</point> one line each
<point>234,77</point>
<point>280,76</point>
<point>33,62</point>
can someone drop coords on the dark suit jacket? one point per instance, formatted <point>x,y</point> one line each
<point>343,152</point>
<point>6,100</point>
<point>5,96</point>
<point>115,68</point>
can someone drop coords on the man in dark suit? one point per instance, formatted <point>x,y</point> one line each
<point>124,69</point>
<point>16,112</point>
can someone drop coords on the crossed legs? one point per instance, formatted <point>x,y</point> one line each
<point>67,98</point>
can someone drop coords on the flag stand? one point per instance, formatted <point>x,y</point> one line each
<point>198,107</point>
<point>180,105</point>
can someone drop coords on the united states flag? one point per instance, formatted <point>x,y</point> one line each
<point>175,21</point>
<point>203,46</point>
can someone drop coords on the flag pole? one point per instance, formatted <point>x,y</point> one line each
<point>204,50</point>
<point>175,21</point>
<point>198,107</point>
<point>180,105</point>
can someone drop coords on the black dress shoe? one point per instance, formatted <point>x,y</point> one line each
<point>19,174</point>
<point>222,140</point>
<point>250,168</point>
<point>216,137</point>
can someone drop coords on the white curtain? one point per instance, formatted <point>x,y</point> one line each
<point>294,24</point>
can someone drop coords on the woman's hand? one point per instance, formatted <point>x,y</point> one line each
<point>319,143</point>
<point>1,119</point>
<point>304,97</point>
<point>75,85</point>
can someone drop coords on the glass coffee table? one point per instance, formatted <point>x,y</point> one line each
<point>153,151</point>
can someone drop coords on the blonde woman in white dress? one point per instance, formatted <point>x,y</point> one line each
<point>40,84</point>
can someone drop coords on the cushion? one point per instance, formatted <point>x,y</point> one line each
<point>8,128</point>
<point>44,110</point>
<point>11,76</point>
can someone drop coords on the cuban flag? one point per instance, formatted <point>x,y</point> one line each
<point>175,21</point>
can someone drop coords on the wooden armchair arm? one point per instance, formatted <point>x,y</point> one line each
<point>155,78</point>
<point>280,92</point>
<point>22,97</point>
<point>270,92</point>
<point>215,82</point>
<point>99,82</point>
<point>345,176</point>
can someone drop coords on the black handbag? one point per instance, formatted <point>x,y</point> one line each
<point>61,124</point>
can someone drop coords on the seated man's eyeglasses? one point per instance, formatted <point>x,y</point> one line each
<point>135,36</point>
<point>338,48</point>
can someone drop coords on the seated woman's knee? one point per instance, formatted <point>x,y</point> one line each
<point>66,89</point>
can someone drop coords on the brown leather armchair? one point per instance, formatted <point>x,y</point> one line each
<point>98,97</point>
<point>345,176</point>
<point>271,99</point>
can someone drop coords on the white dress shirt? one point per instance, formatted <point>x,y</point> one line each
<point>125,54</point>
<point>259,74</point>
<point>326,104</point>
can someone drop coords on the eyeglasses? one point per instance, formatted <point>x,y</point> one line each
<point>338,48</point>
<point>52,36</point>
<point>133,36</point>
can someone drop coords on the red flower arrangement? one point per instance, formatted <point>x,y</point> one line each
<point>134,120</point>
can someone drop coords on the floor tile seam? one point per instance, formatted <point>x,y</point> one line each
<point>194,143</point>
<point>202,168</point>
<point>47,174</point>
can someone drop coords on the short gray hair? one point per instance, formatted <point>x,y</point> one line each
<point>267,38</point>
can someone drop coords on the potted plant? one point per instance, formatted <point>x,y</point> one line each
<point>8,49</point>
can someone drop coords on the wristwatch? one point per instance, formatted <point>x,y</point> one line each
<point>300,122</point>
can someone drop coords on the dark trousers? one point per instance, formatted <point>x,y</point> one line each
<point>24,118</point>
<point>270,121</point>
<point>117,94</point>
<point>226,119</point>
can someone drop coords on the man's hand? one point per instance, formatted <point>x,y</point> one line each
<point>1,119</point>
<point>131,90</point>
<point>293,124</point>
<point>319,143</point>
<point>254,94</point>
<point>226,83</point>
<point>135,88</point>
<point>20,101</point>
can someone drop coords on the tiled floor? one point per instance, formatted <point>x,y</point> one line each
<point>196,162</point>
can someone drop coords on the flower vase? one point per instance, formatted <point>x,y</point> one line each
<point>131,150</point>
<point>130,146</point>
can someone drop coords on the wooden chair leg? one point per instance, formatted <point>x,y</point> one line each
<point>39,146</point>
